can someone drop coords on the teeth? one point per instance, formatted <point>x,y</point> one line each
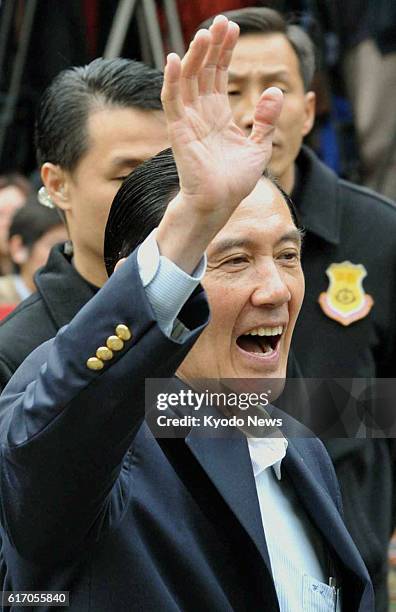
<point>266,331</point>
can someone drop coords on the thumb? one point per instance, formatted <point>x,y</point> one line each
<point>119,263</point>
<point>266,115</point>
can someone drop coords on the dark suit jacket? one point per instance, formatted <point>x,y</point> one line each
<point>93,504</point>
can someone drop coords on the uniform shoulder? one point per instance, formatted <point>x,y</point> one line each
<point>25,308</point>
<point>374,201</point>
<point>24,329</point>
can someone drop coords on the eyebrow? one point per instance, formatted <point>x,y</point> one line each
<point>228,244</point>
<point>276,74</point>
<point>125,161</point>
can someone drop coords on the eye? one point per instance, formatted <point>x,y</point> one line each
<point>237,260</point>
<point>119,178</point>
<point>284,88</point>
<point>290,256</point>
<point>233,92</point>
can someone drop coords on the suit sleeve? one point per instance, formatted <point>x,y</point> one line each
<point>66,429</point>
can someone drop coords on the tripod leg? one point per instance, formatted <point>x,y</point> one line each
<point>119,28</point>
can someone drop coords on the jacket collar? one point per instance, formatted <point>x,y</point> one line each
<point>316,197</point>
<point>61,287</point>
<point>227,463</point>
<point>327,519</point>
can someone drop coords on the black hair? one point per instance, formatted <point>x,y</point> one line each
<point>32,221</point>
<point>268,21</point>
<point>141,202</point>
<point>61,126</point>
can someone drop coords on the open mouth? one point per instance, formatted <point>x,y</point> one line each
<point>261,340</point>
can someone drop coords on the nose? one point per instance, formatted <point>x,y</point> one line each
<point>248,107</point>
<point>271,289</point>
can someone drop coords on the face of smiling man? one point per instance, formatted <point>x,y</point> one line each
<point>255,288</point>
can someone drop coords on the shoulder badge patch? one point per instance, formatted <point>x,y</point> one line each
<point>345,300</point>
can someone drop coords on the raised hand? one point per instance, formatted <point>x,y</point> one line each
<point>216,161</point>
<point>218,165</point>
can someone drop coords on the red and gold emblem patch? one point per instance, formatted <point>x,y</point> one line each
<point>345,300</point>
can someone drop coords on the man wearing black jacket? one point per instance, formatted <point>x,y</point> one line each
<point>95,124</point>
<point>347,327</point>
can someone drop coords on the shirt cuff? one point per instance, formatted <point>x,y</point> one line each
<point>167,286</point>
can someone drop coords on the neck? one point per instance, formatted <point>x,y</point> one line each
<point>287,179</point>
<point>27,278</point>
<point>5,265</point>
<point>92,269</point>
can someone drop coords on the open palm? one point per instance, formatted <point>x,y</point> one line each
<point>218,165</point>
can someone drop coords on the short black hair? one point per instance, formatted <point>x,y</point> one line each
<point>32,221</point>
<point>61,126</point>
<point>268,21</point>
<point>141,202</point>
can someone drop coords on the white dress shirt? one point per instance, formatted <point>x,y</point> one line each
<point>300,566</point>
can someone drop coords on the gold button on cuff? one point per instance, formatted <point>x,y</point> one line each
<point>104,353</point>
<point>114,343</point>
<point>123,332</point>
<point>93,363</point>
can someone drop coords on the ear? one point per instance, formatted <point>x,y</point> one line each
<point>309,110</point>
<point>119,263</point>
<point>18,252</point>
<point>56,182</point>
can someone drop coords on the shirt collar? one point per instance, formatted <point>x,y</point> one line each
<point>22,290</point>
<point>267,452</point>
<point>315,194</point>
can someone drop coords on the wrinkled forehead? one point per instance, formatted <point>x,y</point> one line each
<point>264,55</point>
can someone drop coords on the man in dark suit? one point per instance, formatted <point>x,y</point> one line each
<point>350,232</point>
<point>92,503</point>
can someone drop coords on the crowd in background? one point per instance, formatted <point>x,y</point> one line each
<point>28,231</point>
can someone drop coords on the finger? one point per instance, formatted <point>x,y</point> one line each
<point>218,30</point>
<point>191,66</point>
<point>223,64</point>
<point>119,263</point>
<point>266,115</point>
<point>171,94</point>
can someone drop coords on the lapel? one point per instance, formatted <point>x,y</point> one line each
<point>322,510</point>
<point>227,463</point>
<point>316,197</point>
